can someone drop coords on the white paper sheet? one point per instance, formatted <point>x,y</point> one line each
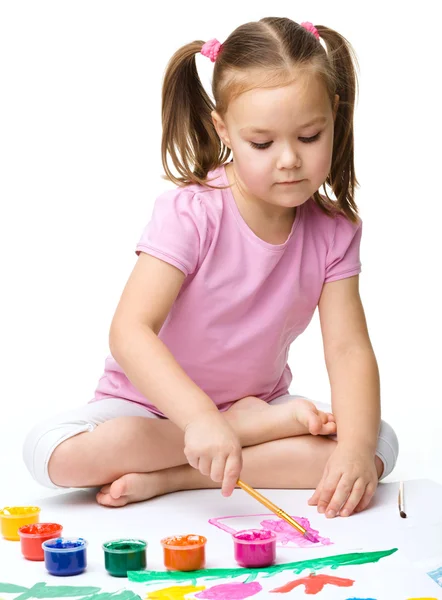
<point>377,529</point>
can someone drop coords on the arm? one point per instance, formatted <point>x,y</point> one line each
<point>351,363</point>
<point>210,444</point>
<point>147,298</point>
<point>350,478</point>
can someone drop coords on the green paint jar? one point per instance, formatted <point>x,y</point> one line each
<point>121,556</point>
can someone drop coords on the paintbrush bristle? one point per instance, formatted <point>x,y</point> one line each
<point>403,514</point>
<point>311,538</point>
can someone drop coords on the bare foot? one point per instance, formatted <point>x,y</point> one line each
<point>133,487</point>
<point>316,422</point>
<point>312,420</point>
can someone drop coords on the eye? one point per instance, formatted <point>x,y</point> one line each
<point>309,140</point>
<point>261,146</point>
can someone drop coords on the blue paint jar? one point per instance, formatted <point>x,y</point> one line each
<point>65,556</point>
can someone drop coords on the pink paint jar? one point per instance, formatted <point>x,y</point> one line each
<point>255,548</point>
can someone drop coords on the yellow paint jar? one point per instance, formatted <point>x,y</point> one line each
<point>14,517</point>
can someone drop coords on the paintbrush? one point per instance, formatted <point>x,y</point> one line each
<point>278,511</point>
<point>400,501</point>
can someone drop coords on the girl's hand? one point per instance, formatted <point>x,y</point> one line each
<point>212,447</point>
<point>348,483</point>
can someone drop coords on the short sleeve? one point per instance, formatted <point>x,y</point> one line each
<point>343,257</point>
<point>177,230</point>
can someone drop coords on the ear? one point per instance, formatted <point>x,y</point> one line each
<point>221,128</point>
<point>335,106</point>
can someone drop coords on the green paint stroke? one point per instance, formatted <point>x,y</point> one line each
<point>41,590</point>
<point>334,562</point>
<point>10,588</point>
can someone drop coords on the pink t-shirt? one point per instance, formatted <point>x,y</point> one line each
<point>244,301</point>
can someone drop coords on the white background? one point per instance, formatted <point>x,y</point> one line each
<point>80,168</point>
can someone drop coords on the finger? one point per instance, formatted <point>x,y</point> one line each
<point>205,465</point>
<point>328,490</point>
<point>315,497</point>
<point>366,498</point>
<point>340,495</point>
<point>231,473</point>
<point>356,495</point>
<point>218,468</point>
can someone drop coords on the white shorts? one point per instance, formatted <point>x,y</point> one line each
<point>46,436</point>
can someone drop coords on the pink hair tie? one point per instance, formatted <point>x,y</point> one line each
<point>310,27</point>
<point>211,49</point>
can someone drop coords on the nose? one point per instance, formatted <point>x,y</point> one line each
<point>289,158</point>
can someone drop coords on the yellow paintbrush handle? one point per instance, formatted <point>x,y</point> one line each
<point>292,522</point>
<point>268,504</point>
<point>255,494</point>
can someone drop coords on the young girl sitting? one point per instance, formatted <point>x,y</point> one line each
<point>230,270</point>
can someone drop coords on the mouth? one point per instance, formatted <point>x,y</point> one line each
<point>290,182</point>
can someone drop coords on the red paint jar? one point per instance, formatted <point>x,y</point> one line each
<point>184,552</point>
<point>32,537</point>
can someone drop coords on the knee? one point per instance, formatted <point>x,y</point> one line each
<point>33,456</point>
<point>387,448</point>
<point>40,444</point>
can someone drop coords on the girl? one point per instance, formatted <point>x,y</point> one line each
<point>230,270</point>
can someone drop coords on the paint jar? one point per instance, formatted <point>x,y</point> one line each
<point>14,517</point>
<point>255,547</point>
<point>121,556</point>
<point>184,552</point>
<point>32,537</point>
<point>65,556</point>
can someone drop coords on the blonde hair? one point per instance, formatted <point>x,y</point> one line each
<point>269,50</point>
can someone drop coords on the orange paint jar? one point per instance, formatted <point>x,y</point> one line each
<point>184,552</point>
<point>33,536</point>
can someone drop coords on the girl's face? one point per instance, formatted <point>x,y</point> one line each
<point>281,139</point>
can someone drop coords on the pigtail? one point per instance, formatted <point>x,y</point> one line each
<point>189,137</point>
<point>342,177</point>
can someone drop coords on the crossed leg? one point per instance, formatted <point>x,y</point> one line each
<point>295,462</point>
<point>139,458</point>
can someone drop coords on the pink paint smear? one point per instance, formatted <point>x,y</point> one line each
<point>285,533</point>
<point>231,591</point>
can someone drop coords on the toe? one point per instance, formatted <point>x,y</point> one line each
<point>103,495</point>
<point>113,494</point>
<point>329,428</point>
<point>314,423</point>
<point>118,488</point>
<point>323,416</point>
<point>103,498</point>
<point>107,500</point>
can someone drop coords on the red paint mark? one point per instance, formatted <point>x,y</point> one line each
<point>314,583</point>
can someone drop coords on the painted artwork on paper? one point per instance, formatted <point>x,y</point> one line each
<point>287,536</point>
<point>42,591</point>
<point>436,575</point>
<point>353,576</point>
<point>312,565</point>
